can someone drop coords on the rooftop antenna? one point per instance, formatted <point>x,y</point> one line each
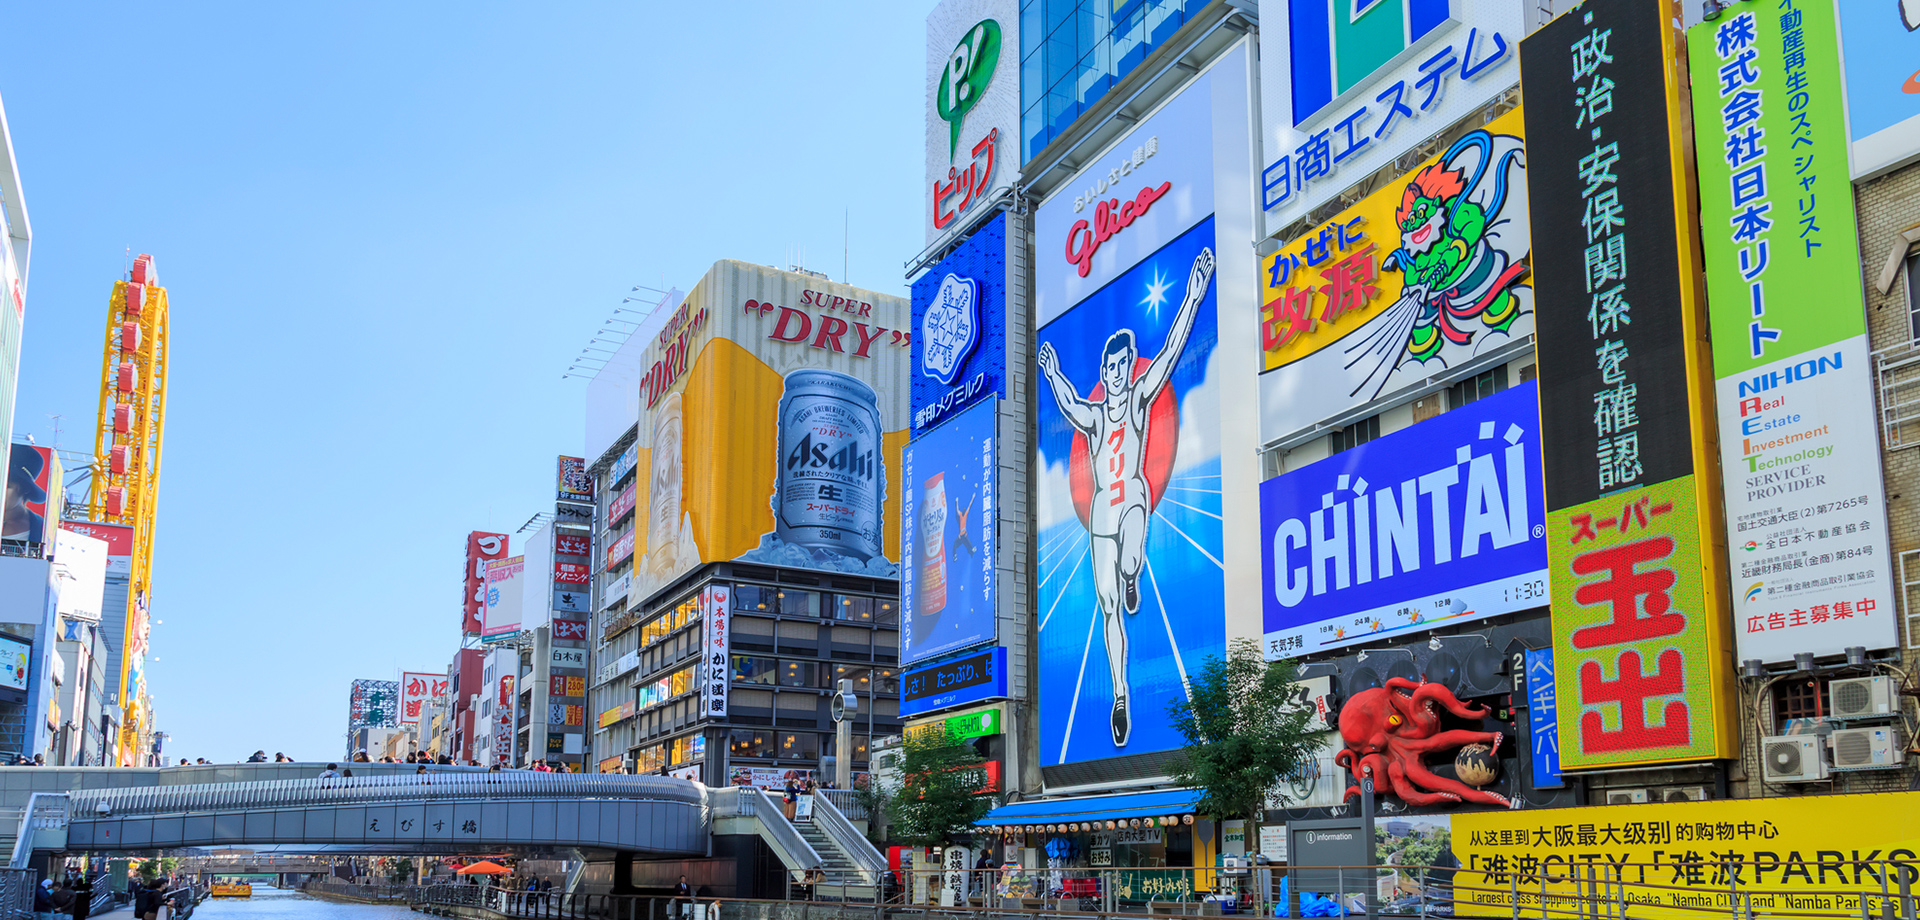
<point>56,431</point>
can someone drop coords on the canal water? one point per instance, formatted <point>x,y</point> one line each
<point>274,904</point>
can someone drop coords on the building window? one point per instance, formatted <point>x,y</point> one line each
<point>863,609</point>
<point>797,674</point>
<point>832,744</point>
<point>752,669</point>
<point>1354,435</point>
<point>1477,387</point>
<point>799,746</point>
<point>1913,291</point>
<point>865,679</point>
<point>747,742</point>
<point>1799,698</point>
<point>784,601</point>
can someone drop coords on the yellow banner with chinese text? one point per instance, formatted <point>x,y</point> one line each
<point>1815,854</point>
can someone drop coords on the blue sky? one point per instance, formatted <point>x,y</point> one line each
<point>385,230</point>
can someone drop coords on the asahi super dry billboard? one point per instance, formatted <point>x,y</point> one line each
<point>773,413</point>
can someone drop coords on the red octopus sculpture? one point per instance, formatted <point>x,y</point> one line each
<point>1390,732</point>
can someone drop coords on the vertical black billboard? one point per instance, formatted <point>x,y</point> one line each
<point>1612,348</point>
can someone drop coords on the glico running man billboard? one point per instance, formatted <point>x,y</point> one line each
<point>1438,524</point>
<point>773,411</point>
<point>1137,276</point>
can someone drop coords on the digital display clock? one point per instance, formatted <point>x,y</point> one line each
<point>957,682</point>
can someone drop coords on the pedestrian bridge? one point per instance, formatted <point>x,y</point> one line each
<point>465,812</point>
<point>663,825</point>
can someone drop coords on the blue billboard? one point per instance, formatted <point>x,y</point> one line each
<point>1543,719</point>
<point>960,681</point>
<point>947,537</point>
<point>1128,504</point>
<point>1439,523</point>
<point>960,329</point>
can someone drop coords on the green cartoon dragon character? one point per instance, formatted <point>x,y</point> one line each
<point>1461,260</point>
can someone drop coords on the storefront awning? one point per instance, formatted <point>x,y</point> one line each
<point>1095,808</point>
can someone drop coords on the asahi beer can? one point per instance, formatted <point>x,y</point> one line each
<point>831,481</point>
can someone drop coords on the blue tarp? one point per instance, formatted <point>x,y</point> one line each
<point>1095,808</point>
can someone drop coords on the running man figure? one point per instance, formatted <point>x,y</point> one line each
<point>1116,433</point>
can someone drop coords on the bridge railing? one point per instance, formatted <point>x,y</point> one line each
<point>858,849</point>
<point>301,793</point>
<point>794,851</point>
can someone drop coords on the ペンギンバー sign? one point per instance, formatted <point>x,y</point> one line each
<point>1632,519</point>
<point>1805,498</point>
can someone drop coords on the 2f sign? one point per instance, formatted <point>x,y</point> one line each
<point>964,82</point>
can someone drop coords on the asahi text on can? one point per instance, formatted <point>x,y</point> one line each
<point>831,479</point>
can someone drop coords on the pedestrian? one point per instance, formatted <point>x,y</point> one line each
<point>346,774</point>
<point>62,900</point>
<point>258,757</point>
<point>279,757</point>
<point>43,899</point>
<point>82,889</point>
<point>792,797</point>
<point>681,892</point>
<point>331,772</point>
<point>361,757</point>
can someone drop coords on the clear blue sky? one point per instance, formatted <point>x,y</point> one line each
<point>385,230</point>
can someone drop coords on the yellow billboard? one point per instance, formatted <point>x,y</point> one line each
<point>773,413</point>
<point>1817,854</point>
<point>1424,278</point>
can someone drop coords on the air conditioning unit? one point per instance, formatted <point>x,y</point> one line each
<point>1861,697</point>
<point>1793,759</point>
<point>1626,796</point>
<point>1866,749</point>
<point>1685,794</point>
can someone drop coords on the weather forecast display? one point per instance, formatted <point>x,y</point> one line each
<point>1130,503</point>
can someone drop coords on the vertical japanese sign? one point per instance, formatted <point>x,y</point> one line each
<point>716,634</point>
<point>416,690</point>
<point>481,548</point>
<point>1805,497</point>
<point>973,108</point>
<point>1642,669</point>
<point>1542,718</point>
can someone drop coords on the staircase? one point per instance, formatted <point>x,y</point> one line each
<point>835,862</point>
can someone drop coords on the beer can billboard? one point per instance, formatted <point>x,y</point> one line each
<point>1799,442</point>
<point>1144,481</point>
<point>1641,656</point>
<point>773,412</point>
<point>1374,303</point>
<point>948,511</point>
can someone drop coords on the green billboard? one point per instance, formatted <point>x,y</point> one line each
<point>1776,198</point>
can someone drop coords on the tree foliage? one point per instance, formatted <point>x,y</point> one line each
<point>943,791</point>
<point>1244,726</point>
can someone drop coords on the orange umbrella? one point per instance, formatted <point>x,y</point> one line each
<point>485,867</point>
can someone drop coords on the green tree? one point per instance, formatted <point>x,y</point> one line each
<point>943,792</point>
<point>878,805</point>
<point>1244,726</point>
